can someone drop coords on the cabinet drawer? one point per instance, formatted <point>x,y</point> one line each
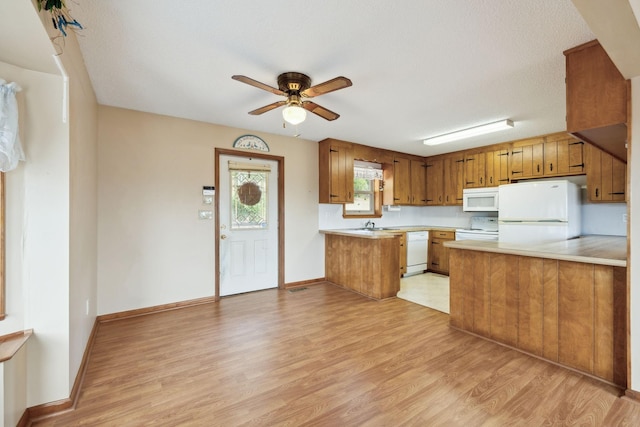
<point>451,235</point>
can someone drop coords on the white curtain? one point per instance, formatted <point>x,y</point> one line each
<point>10,148</point>
<point>367,173</point>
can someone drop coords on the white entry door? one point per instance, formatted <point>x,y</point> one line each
<point>248,198</point>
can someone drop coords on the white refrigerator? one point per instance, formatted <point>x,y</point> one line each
<point>538,212</point>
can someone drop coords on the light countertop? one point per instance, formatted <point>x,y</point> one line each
<point>605,250</point>
<point>388,232</point>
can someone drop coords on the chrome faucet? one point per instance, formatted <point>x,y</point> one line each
<point>369,224</point>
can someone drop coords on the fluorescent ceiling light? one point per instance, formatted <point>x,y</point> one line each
<point>467,133</point>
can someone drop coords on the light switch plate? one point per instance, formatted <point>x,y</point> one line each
<point>205,214</point>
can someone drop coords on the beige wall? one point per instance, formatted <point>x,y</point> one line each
<point>152,247</point>
<point>83,203</point>
<point>51,214</point>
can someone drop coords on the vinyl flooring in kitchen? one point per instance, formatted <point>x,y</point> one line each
<point>428,289</point>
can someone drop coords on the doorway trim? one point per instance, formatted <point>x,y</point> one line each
<point>280,160</point>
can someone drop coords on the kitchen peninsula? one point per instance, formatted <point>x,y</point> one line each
<point>370,261</point>
<point>562,301</point>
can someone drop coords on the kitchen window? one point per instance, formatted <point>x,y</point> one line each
<point>366,191</point>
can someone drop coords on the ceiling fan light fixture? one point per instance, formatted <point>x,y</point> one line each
<point>468,133</point>
<point>294,114</point>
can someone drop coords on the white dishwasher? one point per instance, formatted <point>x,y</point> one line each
<point>417,244</point>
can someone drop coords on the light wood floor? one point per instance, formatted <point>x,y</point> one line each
<point>324,357</point>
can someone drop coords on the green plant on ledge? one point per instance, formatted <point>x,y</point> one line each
<point>60,16</point>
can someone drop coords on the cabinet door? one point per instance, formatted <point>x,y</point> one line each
<point>563,155</point>
<point>474,170</point>
<point>401,180</point>
<point>418,183</point>
<point>497,169</point>
<point>527,160</point>
<point>434,169</point>
<point>453,179</point>
<point>335,171</point>
<point>438,253</point>
<point>606,176</point>
<point>501,166</point>
<point>341,161</point>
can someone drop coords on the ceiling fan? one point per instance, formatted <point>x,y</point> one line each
<point>296,86</point>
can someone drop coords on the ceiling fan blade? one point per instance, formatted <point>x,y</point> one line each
<point>326,87</point>
<point>320,111</point>
<point>267,108</point>
<point>255,83</point>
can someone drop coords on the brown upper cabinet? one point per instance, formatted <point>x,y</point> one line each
<point>405,182</point>
<point>563,155</point>
<point>606,176</point>
<point>418,182</point>
<point>598,99</point>
<point>453,173</point>
<point>475,165</point>
<point>497,167</point>
<point>435,184</point>
<point>336,171</point>
<point>527,159</point>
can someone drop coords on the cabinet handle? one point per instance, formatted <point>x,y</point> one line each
<point>506,154</point>
<point>617,193</point>
<point>439,198</point>
<point>551,167</point>
<point>515,172</point>
<point>576,143</point>
<point>396,198</point>
<point>331,150</point>
<point>490,180</point>
<point>470,158</point>
<point>505,179</point>
<point>597,192</point>
<point>470,182</point>
<point>480,180</point>
<point>435,243</point>
<point>429,200</point>
<point>333,195</point>
<point>538,168</point>
<point>516,152</point>
<point>581,165</point>
<point>435,263</point>
<point>460,161</point>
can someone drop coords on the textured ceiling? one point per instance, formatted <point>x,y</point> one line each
<point>419,68</point>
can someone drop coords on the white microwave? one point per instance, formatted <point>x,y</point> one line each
<point>480,199</point>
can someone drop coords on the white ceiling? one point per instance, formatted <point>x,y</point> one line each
<point>419,68</point>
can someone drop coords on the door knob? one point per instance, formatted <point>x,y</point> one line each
<point>223,236</point>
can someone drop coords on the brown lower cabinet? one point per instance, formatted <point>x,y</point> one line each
<point>369,266</point>
<point>571,313</point>
<point>438,253</point>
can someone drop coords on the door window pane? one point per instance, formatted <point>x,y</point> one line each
<point>249,199</point>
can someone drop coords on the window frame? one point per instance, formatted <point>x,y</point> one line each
<point>377,202</point>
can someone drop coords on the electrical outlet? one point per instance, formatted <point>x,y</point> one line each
<point>87,307</point>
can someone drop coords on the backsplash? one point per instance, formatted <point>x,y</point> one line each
<point>330,217</point>
<point>597,218</point>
